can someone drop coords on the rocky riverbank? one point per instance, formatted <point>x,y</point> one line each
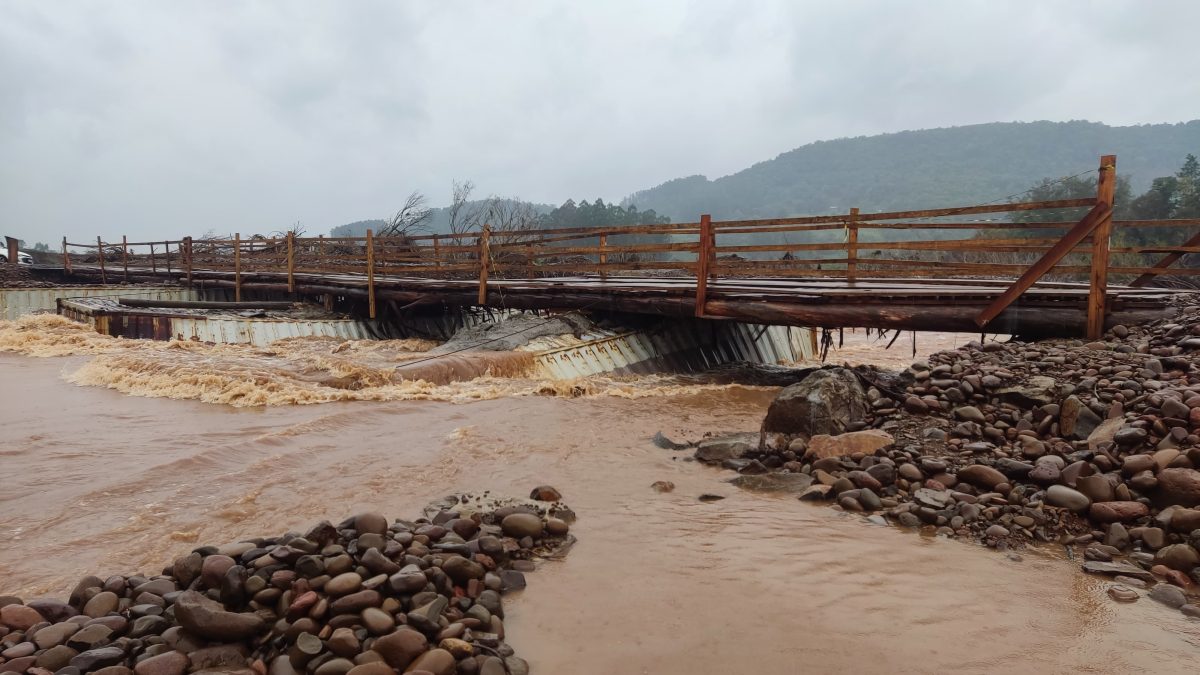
<point>366,596</point>
<point>1091,445</point>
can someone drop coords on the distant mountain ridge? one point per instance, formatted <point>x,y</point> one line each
<point>923,169</point>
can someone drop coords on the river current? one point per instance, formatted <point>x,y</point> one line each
<point>118,457</point>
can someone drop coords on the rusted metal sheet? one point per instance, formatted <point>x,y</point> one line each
<point>110,318</point>
<point>17,302</point>
<point>679,346</point>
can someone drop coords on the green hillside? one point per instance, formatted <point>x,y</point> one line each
<point>924,169</point>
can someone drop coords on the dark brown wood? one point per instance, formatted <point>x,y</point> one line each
<point>852,244</point>
<point>237,266</point>
<point>485,256</point>
<point>704,256</point>
<point>291,261</point>
<point>100,258</point>
<point>202,304</point>
<point>14,250</point>
<point>153,264</point>
<point>1051,258</point>
<point>125,256</point>
<point>1167,261</point>
<point>371,273</point>
<point>66,257</point>
<point>188,258</point>
<point>1101,236</point>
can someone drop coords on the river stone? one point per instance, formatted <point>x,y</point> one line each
<point>98,658</point>
<point>101,604</point>
<point>1097,488</point>
<point>372,668</point>
<point>1037,391</point>
<point>518,525</point>
<point>435,661</point>
<point>206,618</point>
<point>1076,420</point>
<point>1178,487</point>
<point>969,413</point>
<point>344,584</point>
<point>1180,557</point>
<point>717,450</point>
<point>1185,520</point>
<point>1122,593</point>
<point>377,621</point>
<point>786,483</point>
<point>399,649</point>
<point>371,523</point>
<point>827,401</point>
<point>53,610</point>
<point>1064,497</point>
<point>168,663</point>
<point>1105,432</point>
<point>981,476</point>
<point>55,634</point>
<point>1171,596</point>
<point>1117,512</point>
<point>1117,568</point>
<point>867,442</point>
<point>56,657</point>
<point>19,617</point>
<point>462,570</point>
<point>1130,437</point>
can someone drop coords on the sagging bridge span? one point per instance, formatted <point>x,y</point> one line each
<point>937,269</point>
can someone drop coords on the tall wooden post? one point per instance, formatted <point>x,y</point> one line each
<point>125,256</point>
<point>237,267</point>
<point>484,256</point>
<point>14,250</point>
<point>153,264</point>
<point>1098,293</point>
<point>852,245</point>
<point>167,249</point>
<point>291,261</point>
<point>188,250</point>
<point>703,262</point>
<point>66,257</point>
<point>100,256</point>
<point>371,272</point>
<point>437,252</point>
<point>603,256</point>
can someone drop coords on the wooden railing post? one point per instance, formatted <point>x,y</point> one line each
<point>291,261</point>
<point>153,263</point>
<point>603,256</point>
<point>1098,293</point>
<point>187,241</point>
<point>167,252</point>
<point>125,256</point>
<point>100,256</point>
<point>14,250</point>
<point>484,256</point>
<point>237,267</point>
<point>437,252</point>
<point>703,262</point>
<point>852,245</point>
<point>66,257</point>
<point>371,272</point>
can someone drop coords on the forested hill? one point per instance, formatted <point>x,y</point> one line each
<point>923,169</point>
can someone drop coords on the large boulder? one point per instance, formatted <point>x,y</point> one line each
<point>208,619</point>
<point>1035,392</point>
<point>825,402</point>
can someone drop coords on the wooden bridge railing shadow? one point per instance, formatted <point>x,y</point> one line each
<point>846,250</point>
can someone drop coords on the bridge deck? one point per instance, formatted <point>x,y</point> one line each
<point>1048,308</point>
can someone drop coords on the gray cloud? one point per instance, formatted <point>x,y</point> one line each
<point>160,119</point>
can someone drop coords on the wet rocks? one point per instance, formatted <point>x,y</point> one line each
<point>1178,487</point>
<point>717,450</point>
<point>366,596</point>
<point>866,442</point>
<point>982,476</point>
<point>827,402</point>
<point>1064,497</point>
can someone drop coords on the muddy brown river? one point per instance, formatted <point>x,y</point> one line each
<point>94,480</point>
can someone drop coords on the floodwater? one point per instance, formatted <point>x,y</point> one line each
<point>93,480</point>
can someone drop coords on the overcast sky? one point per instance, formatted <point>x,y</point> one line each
<point>159,119</point>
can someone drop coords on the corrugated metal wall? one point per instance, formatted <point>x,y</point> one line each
<point>17,302</point>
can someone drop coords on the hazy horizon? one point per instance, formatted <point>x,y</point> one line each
<point>157,120</point>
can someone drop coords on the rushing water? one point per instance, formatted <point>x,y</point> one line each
<point>94,481</point>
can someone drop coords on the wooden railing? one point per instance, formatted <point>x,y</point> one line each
<point>853,247</point>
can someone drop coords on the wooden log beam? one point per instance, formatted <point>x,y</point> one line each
<point>1051,258</point>
<point>1167,261</point>
<point>1101,240</point>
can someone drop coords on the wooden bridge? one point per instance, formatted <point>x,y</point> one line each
<point>938,269</point>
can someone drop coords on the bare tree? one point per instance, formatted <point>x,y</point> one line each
<point>410,218</point>
<point>463,215</point>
